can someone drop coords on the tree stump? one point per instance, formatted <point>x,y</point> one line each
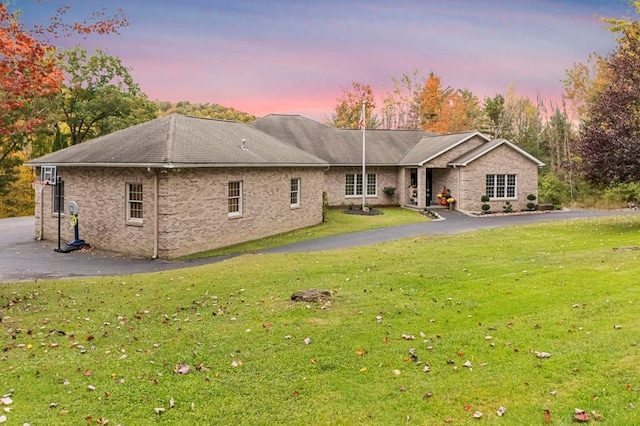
<point>311,295</point>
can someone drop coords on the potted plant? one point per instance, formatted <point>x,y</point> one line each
<point>444,196</point>
<point>485,207</point>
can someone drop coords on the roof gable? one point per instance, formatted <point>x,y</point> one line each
<point>484,149</point>
<point>429,148</point>
<point>183,141</point>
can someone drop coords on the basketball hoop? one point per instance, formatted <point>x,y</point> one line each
<point>39,185</point>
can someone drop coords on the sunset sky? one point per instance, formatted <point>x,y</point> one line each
<point>295,56</point>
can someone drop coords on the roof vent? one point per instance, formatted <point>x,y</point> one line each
<point>244,145</point>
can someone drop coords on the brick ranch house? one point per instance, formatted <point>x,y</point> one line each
<point>178,185</point>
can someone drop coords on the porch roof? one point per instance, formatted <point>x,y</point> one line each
<point>429,148</point>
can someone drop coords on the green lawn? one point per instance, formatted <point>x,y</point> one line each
<point>86,351</point>
<point>336,223</point>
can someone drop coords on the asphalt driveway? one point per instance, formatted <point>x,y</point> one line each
<point>22,258</point>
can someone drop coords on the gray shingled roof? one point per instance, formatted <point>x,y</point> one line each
<point>182,141</point>
<point>483,149</point>
<point>341,147</point>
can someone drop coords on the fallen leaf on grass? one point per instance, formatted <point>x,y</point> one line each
<point>581,415</point>
<point>547,416</point>
<point>396,372</point>
<point>159,410</point>
<point>361,352</point>
<point>501,411</point>
<point>542,354</point>
<point>181,368</point>
<point>477,415</point>
<point>408,337</point>
<point>307,340</point>
<point>468,407</point>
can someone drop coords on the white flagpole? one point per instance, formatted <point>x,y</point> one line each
<point>364,171</point>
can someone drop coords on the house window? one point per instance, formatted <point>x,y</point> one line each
<point>134,202</point>
<point>501,186</point>
<point>371,184</point>
<point>353,184</point>
<point>235,198</point>
<point>295,192</point>
<point>58,191</point>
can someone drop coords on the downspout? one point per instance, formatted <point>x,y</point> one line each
<point>459,187</point>
<point>155,214</point>
<point>41,221</point>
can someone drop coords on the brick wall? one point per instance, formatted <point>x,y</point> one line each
<point>100,194</point>
<point>386,177</point>
<point>192,204</point>
<point>502,160</point>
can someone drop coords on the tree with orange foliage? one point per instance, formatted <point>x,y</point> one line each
<point>29,73</point>
<point>447,110</point>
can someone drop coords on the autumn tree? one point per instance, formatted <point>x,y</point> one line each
<point>99,95</point>
<point>447,110</point>
<point>583,83</point>
<point>348,110</point>
<point>29,74</point>
<point>401,106</point>
<point>609,142</point>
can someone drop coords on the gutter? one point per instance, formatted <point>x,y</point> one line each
<point>177,165</point>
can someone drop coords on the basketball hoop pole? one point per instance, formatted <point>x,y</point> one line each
<point>58,205</point>
<point>39,186</point>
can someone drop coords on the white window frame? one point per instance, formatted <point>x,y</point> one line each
<point>234,198</point>
<point>295,192</point>
<point>135,204</point>
<point>501,186</point>
<point>48,174</point>
<point>353,185</point>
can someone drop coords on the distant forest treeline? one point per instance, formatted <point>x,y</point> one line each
<point>204,110</point>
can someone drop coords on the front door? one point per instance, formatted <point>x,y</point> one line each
<point>428,186</point>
